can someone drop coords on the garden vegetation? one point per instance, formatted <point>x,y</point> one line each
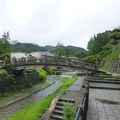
<point>69,111</point>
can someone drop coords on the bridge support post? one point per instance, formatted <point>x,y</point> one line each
<point>46,61</point>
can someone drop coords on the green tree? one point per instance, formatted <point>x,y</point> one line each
<point>96,43</point>
<point>115,36</point>
<point>90,46</point>
<point>5,47</point>
<point>59,50</point>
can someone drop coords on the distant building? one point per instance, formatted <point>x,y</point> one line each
<point>37,55</point>
<point>18,55</point>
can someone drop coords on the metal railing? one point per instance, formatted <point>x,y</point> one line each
<point>81,112</point>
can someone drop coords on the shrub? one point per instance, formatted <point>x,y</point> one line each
<point>49,70</point>
<point>69,111</point>
<point>3,73</point>
<point>42,73</point>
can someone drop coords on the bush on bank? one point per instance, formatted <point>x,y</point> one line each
<point>3,73</point>
<point>48,70</point>
<point>42,73</point>
<point>69,111</point>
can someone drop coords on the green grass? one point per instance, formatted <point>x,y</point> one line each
<point>33,111</point>
<point>110,58</point>
<point>7,95</point>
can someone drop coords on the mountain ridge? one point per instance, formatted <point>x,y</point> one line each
<point>30,47</point>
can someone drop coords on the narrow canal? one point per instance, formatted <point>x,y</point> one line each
<point>8,110</point>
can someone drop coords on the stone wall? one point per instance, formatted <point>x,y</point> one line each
<point>19,81</point>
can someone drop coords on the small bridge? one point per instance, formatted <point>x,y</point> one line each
<point>52,61</point>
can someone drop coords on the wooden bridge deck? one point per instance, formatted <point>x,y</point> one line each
<point>104,104</point>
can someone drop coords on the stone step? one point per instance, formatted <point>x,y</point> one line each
<point>58,112</point>
<point>66,100</point>
<point>59,107</point>
<point>105,81</point>
<point>56,117</point>
<point>61,103</point>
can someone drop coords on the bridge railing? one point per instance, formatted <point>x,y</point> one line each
<point>52,60</point>
<point>81,112</point>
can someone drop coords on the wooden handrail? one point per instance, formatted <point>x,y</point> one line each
<point>77,63</point>
<point>81,112</point>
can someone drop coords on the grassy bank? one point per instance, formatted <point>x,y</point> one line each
<point>33,111</point>
<point>109,59</point>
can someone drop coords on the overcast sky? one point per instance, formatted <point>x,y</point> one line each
<point>71,22</point>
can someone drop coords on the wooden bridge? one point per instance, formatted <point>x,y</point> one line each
<point>52,61</point>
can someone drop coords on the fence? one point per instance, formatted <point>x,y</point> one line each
<point>81,112</point>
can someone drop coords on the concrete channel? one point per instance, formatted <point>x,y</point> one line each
<point>12,108</point>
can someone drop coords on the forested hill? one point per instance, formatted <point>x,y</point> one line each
<point>26,47</point>
<point>71,51</point>
<point>105,47</point>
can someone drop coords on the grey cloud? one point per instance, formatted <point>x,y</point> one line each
<point>52,22</point>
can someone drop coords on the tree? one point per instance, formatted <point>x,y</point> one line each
<point>90,46</point>
<point>96,43</point>
<point>115,36</point>
<point>5,46</point>
<point>59,50</point>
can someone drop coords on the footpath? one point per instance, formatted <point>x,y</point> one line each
<point>72,96</point>
<point>104,100</point>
